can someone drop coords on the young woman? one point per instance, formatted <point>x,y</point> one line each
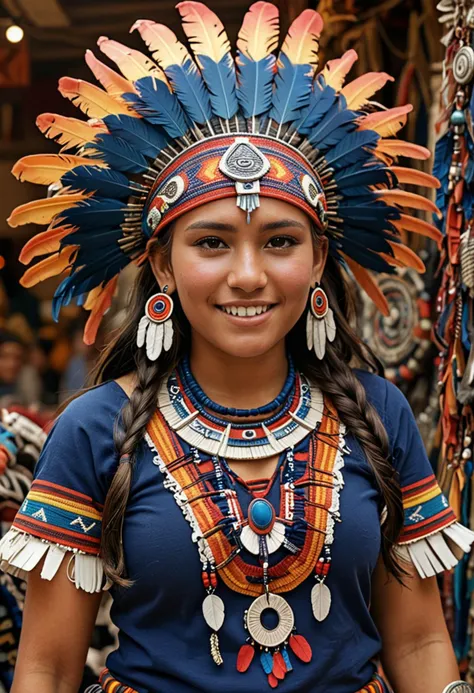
<point>263,512</point>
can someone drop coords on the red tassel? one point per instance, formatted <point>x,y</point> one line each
<point>245,657</point>
<point>279,666</point>
<point>301,648</point>
<point>272,680</point>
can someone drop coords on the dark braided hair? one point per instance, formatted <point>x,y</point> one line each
<point>333,375</point>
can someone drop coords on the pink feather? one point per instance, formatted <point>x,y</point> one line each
<point>302,41</point>
<point>114,84</point>
<point>335,71</point>
<point>361,89</point>
<point>258,36</point>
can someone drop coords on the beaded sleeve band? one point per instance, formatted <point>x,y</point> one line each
<point>164,137</point>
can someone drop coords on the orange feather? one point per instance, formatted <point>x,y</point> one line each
<point>258,35</point>
<point>48,241</point>
<point>204,30</point>
<point>361,89</point>
<point>92,100</point>
<point>131,63</point>
<point>46,169</point>
<point>395,148</point>
<point>407,257</point>
<point>419,226</point>
<point>49,267</point>
<point>368,283</point>
<point>100,307</point>
<point>44,210</point>
<point>335,71</point>
<point>68,132</point>
<point>302,41</point>
<point>386,123</point>
<point>114,84</point>
<point>408,199</point>
<point>412,176</point>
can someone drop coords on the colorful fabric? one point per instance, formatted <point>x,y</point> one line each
<point>426,510</point>
<point>62,516</point>
<point>164,641</point>
<point>199,126</point>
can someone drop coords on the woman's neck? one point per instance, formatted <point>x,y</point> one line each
<point>244,383</point>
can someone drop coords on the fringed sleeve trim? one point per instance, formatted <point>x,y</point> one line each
<point>20,553</point>
<point>439,551</point>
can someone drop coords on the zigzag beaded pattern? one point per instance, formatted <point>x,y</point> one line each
<point>426,510</point>
<point>61,515</point>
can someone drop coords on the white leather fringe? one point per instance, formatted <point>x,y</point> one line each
<point>21,552</point>
<point>439,551</point>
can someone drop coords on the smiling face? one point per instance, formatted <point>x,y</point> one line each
<point>242,286</point>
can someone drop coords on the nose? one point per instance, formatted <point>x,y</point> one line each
<point>248,271</point>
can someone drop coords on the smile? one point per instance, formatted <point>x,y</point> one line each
<point>246,311</point>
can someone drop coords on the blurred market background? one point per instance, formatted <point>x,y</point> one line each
<point>424,344</point>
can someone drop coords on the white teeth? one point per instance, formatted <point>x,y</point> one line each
<point>242,311</point>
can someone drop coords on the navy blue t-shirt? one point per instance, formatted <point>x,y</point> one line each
<point>164,640</point>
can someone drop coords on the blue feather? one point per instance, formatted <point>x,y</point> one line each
<point>104,181</point>
<point>255,84</point>
<point>368,175</point>
<point>335,125</point>
<point>266,660</point>
<point>190,89</point>
<point>365,257</point>
<point>356,147</point>
<point>117,153</point>
<point>287,659</point>
<point>148,140</point>
<point>159,106</point>
<point>96,212</point>
<point>368,216</point>
<point>292,90</point>
<point>220,81</point>
<point>321,100</point>
<point>91,242</point>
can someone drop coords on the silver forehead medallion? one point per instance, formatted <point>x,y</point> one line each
<point>246,165</point>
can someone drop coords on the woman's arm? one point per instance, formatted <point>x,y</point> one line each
<point>57,626</point>
<point>417,654</point>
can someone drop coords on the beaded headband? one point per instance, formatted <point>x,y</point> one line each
<point>184,128</point>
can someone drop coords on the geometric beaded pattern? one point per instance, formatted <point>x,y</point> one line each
<point>319,303</point>
<point>62,516</point>
<point>426,510</point>
<point>159,308</point>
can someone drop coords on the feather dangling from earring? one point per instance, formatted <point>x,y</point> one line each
<point>155,329</point>
<point>320,323</point>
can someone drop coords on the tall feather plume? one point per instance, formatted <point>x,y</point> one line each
<point>180,69</point>
<point>92,100</point>
<point>408,257</point>
<point>408,199</point>
<point>131,63</point>
<point>98,309</point>
<point>412,176</point>
<point>335,71</point>
<point>44,210</point>
<point>419,226</point>
<point>46,169</point>
<point>114,84</point>
<point>69,132</point>
<point>49,267</point>
<point>146,139</point>
<point>321,101</point>
<point>44,243</point>
<point>102,181</point>
<point>258,38</point>
<point>386,123</point>
<point>211,48</point>
<point>297,63</point>
<point>358,92</point>
<point>117,153</point>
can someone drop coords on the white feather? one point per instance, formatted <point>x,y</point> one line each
<point>330,325</point>
<point>320,601</point>
<point>319,336</point>
<point>275,537</point>
<point>169,332</point>
<point>158,345</point>
<point>309,330</point>
<point>214,611</point>
<point>141,333</point>
<point>250,540</point>
<point>150,339</point>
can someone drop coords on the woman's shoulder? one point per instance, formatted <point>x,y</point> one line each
<point>386,397</point>
<point>95,406</point>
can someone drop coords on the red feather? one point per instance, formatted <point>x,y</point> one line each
<point>245,657</point>
<point>301,648</point>
<point>279,666</point>
<point>101,306</point>
<point>272,680</point>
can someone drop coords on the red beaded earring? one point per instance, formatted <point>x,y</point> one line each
<point>156,327</point>
<point>320,323</point>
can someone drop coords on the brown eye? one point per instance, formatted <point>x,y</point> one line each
<point>211,243</point>
<point>282,242</point>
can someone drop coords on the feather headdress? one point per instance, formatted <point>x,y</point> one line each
<point>186,124</point>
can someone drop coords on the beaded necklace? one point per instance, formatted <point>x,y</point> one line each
<point>265,553</point>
